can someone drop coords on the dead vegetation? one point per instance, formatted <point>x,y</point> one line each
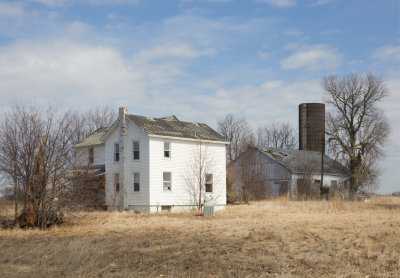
<point>265,239</point>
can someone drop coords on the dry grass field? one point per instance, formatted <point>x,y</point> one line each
<point>265,239</point>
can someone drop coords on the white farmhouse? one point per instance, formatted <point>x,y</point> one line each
<point>147,162</point>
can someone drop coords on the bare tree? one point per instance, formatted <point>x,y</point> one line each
<point>238,132</point>
<point>98,117</point>
<point>200,177</point>
<point>277,135</point>
<point>357,129</point>
<point>307,187</point>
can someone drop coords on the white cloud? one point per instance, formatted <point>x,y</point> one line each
<point>212,1</point>
<point>113,2</point>
<point>263,55</point>
<point>77,28</point>
<point>322,2</point>
<point>280,3</point>
<point>61,3</point>
<point>294,32</point>
<point>331,32</point>
<point>317,57</point>
<point>10,9</point>
<point>178,50</point>
<point>78,74</point>
<point>388,52</point>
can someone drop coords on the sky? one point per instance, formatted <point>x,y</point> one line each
<point>199,59</point>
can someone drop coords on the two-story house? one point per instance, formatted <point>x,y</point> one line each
<point>149,163</point>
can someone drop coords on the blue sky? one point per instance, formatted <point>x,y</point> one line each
<point>199,59</point>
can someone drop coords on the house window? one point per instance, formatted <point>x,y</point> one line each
<point>333,183</point>
<point>91,156</point>
<point>136,150</point>
<point>209,183</point>
<point>167,149</point>
<point>116,152</point>
<point>136,182</point>
<point>167,181</point>
<point>116,182</point>
<point>165,208</point>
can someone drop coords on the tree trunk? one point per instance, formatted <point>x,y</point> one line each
<point>16,201</point>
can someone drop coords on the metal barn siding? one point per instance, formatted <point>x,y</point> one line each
<point>311,126</point>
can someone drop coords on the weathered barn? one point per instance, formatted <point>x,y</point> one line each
<point>262,172</point>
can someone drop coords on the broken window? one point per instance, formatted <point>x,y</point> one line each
<point>116,182</point>
<point>136,150</point>
<point>167,181</point>
<point>209,183</point>
<point>167,149</point>
<point>136,182</point>
<point>116,152</point>
<point>91,156</point>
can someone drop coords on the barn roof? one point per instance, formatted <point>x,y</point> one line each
<point>297,160</point>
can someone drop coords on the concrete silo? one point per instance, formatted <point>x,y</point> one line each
<point>312,126</point>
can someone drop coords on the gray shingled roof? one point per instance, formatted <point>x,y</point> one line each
<point>94,138</point>
<point>295,159</point>
<point>171,126</point>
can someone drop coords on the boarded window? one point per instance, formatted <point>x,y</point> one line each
<point>167,149</point>
<point>167,181</point>
<point>91,156</point>
<point>136,182</point>
<point>116,152</point>
<point>209,183</point>
<point>116,182</point>
<point>136,148</point>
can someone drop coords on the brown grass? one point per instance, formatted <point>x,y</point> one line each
<point>265,239</point>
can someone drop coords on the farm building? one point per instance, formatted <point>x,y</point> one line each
<point>261,172</point>
<point>148,162</point>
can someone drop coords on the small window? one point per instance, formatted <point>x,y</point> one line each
<point>136,150</point>
<point>333,183</point>
<point>165,208</point>
<point>116,182</point>
<point>167,181</point>
<point>91,156</point>
<point>167,149</point>
<point>136,182</point>
<point>209,183</point>
<point>116,152</point>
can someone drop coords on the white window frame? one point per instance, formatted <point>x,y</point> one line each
<point>167,151</point>
<point>134,150</point>
<point>116,158</point>
<point>167,188</point>
<point>134,181</point>
<point>206,182</point>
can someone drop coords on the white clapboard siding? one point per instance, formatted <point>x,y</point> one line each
<point>182,152</point>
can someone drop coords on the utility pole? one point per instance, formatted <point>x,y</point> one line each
<point>322,164</point>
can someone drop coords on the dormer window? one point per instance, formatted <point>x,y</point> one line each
<point>167,149</point>
<point>116,152</point>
